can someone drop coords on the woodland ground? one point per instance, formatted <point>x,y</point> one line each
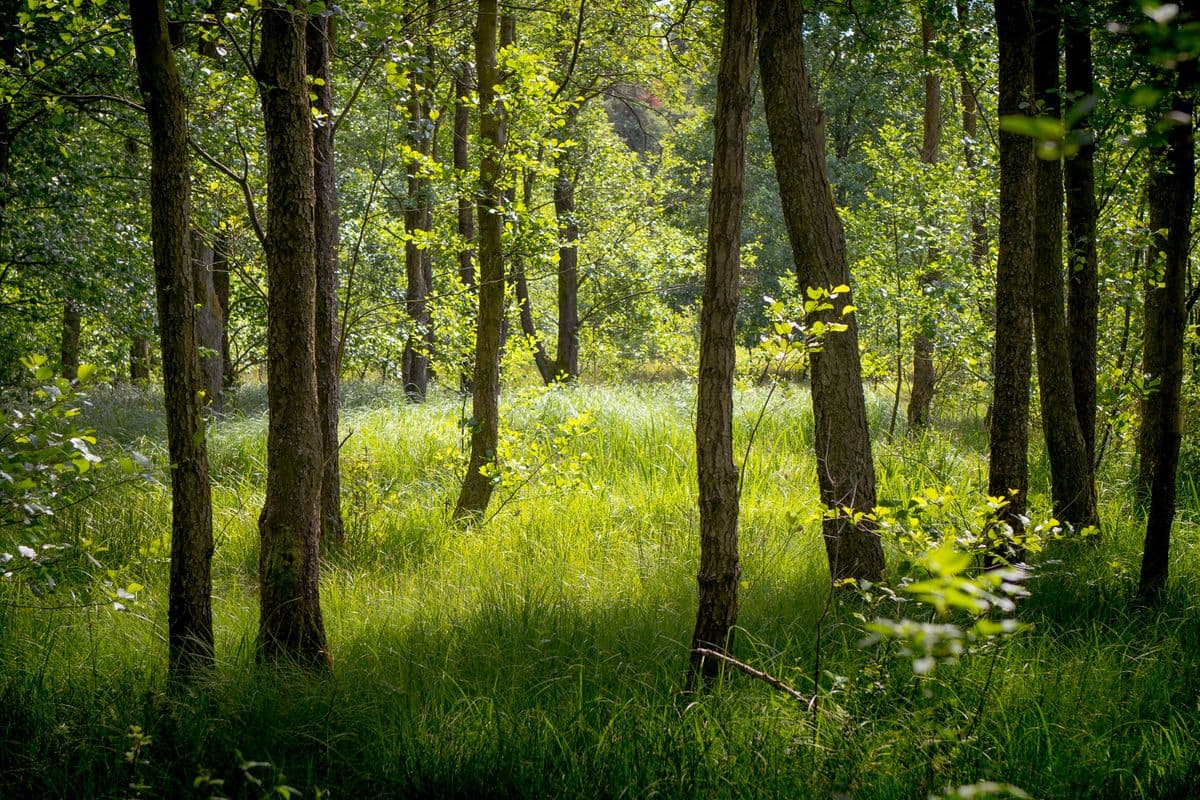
<point>542,654</point>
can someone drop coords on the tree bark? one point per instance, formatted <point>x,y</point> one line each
<point>485,423</point>
<point>462,168</point>
<point>139,360</point>
<point>1171,194</point>
<point>566,359</point>
<point>1071,484</point>
<point>1008,469</point>
<point>72,325</point>
<point>923,379</point>
<point>220,274</point>
<point>845,470</point>
<point>520,285</point>
<point>189,612</point>
<point>319,49</point>
<point>720,567</point>
<point>208,320</point>
<point>1083,293</point>
<point>290,623</point>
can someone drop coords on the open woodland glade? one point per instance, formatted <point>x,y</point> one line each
<point>598,398</point>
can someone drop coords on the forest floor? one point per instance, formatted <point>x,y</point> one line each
<point>543,652</point>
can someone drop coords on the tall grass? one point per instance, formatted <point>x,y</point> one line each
<point>541,654</point>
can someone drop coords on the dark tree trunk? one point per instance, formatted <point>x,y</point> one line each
<point>845,471</point>
<point>720,567</point>
<point>189,612</point>
<point>209,323</point>
<point>1072,487</point>
<point>220,274</point>
<point>566,360</point>
<point>485,423</point>
<point>139,360</point>
<point>524,308</point>
<point>924,377</point>
<point>1171,194</point>
<point>290,623</point>
<point>462,167</point>
<point>1083,293</point>
<point>319,48</point>
<point>72,325</point>
<point>970,123</point>
<point>1008,468</point>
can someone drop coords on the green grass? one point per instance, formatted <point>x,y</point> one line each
<point>542,654</point>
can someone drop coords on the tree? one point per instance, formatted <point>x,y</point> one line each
<point>1008,469</point>
<point>485,405</point>
<point>1071,483</point>
<point>720,567</point>
<point>845,470</point>
<point>290,623</point>
<point>318,47</point>
<point>189,615</point>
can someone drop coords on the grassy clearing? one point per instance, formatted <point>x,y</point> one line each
<point>542,653</point>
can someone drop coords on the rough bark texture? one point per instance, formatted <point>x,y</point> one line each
<point>923,378</point>
<point>290,623</point>
<point>720,567</point>
<point>566,359</point>
<point>189,612</point>
<point>1172,193</point>
<point>72,325</point>
<point>1083,294</point>
<point>1071,484</point>
<point>209,322</point>
<point>418,221</point>
<point>845,471</point>
<point>1008,469</point>
<point>485,422</point>
<point>319,47</point>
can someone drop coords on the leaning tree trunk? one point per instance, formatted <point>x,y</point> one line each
<point>1171,195</point>
<point>1071,484</point>
<point>208,320</point>
<point>189,611</point>
<point>1008,468</point>
<point>290,623</point>
<point>845,471</point>
<point>720,567</point>
<point>319,47</point>
<point>924,377</point>
<point>485,406</point>
<point>1083,293</point>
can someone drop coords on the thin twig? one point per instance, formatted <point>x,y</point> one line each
<point>755,673</point>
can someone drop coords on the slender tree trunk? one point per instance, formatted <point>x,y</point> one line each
<point>923,379</point>
<point>139,360</point>
<point>1171,194</point>
<point>845,471</point>
<point>1008,468</point>
<point>72,325</point>
<point>485,423</point>
<point>466,207</point>
<point>1083,293</point>
<point>208,320</point>
<point>1072,487</point>
<point>720,567</point>
<point>524,307</point>
<point>418,221</point>
<point>566,360</point>
<point>220,274</point>
<point>290,623</point>
<point>319,48</point>
<point>189,612</point>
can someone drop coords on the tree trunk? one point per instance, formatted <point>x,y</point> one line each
<point>208,320</point>
<point>845,471</point>
<point>566,360</point>
<point>1171,195</point>
<point>1083,293</point>
<point>1071,484</point>
<point>923,379</point>
<point>720,567</point>
<point>139,360</point>
<point>485,423</point>
<point>290,623</point>
<point>1008,468</point>
<point>462,168</point>
<point>220,274</point>
<point>524,309</point>
<point>72,324</point>
<point>189,612</point>
<point>319,48</point>
<point>418,221</point>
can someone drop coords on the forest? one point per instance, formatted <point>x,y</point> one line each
<point>599,398</point>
